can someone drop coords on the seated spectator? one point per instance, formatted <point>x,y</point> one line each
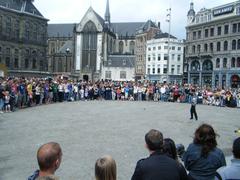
<point>171,151</point>
<point>202,157</point>
<point>232,171</point>
<point>105,168</point>
<point>49,158</point>
<point>157,165</point>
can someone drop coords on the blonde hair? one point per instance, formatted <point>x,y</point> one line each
<point>105,168</point>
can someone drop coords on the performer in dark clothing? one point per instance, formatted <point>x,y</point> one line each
<point>193,107</point>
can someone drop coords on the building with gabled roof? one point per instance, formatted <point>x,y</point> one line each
<point>23,33</point>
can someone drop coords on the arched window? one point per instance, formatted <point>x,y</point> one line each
<point>132,47</point>
<point>193,49</point>
<point>234,44</point>
<point>120,47</point>
<point>198,48</point>
<point>238,44</point>
<point>217,63</point>
<point>207,65</point>
<point>218,46</point>
<point>238,62</point>
<point>225,46</point>
<point>205,47</point>
<point>233,62</point>
<point>89,47</point>
<point>224,62</point>
<point>195,66</point>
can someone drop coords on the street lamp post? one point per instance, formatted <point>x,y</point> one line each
<point>169,31</point>
<point>67,52</point>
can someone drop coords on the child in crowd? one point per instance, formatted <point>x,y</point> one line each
<point>105,168</point>
<point>7,106</point>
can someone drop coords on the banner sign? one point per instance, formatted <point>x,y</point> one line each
<point>224,10</point>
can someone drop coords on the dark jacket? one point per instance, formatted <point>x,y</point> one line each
<point>203,168</point>
<point>158,167</point>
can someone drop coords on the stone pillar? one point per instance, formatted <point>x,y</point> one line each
<point>189,78</point>
<point>200,78</point>
<point>78,52</point>
<point>213,80</point>
<point>220,80</point>
<point>227,80</point>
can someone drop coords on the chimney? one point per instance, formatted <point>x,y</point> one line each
<point>159,25</point>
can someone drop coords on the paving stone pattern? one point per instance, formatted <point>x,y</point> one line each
<point>88,130</point>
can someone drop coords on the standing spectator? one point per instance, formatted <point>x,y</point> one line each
<point>193,107</point>
<point>157,165</point>
<point>105,168</point>
<point>232,171</point>
<point>1,97</point>
<point>49,158</point>
<point>7,106</point>
<point>202,157</point>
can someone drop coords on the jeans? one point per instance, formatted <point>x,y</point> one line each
<point>1,104</point>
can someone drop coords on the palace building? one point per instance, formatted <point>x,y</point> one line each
<point>213,46</point>
<point>23,39</point>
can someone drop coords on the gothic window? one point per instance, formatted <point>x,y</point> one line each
<point>17,31</point>
<point>132,46</point>
<point>207,65</point>
<point>225,46</point>
<point>120,47</point>
<point>195,66</point>
<point>89,51</point>
<point>238,44</point>
<point>234,44</point>
<point>218,63</point>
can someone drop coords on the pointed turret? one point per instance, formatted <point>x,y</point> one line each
<point>107,14</point>
<point>191,13</point>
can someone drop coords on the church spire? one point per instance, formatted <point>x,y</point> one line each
<point>107,13</point>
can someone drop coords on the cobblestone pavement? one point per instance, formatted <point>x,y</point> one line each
<point>88,130</point>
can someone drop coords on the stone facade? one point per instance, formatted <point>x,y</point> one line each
<point>23,33</point>
<point>213,46</point>
<point>143,34</point>
<point>159,63</point>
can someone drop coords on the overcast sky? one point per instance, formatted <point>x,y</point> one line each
<point>72,11</point>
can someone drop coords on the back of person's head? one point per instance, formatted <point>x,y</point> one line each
<point>49,156</point>
<point>154,140</point>
<point>236,148</point>
<point>105,168</point>
<point>206,137</point>
<point>170,148</point>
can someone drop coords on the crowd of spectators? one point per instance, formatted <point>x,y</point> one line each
<point>17,93</point>
<point>203,160</point>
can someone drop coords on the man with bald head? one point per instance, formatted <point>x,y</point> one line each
<point>49,158</point>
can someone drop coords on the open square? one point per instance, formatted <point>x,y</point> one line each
<point>88,130</point>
